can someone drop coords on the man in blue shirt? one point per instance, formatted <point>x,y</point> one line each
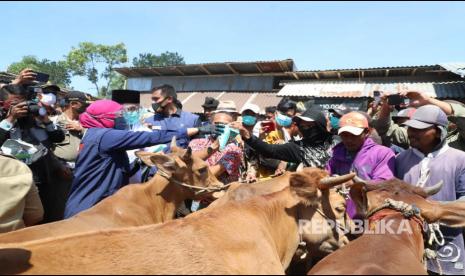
<point>169,114</point>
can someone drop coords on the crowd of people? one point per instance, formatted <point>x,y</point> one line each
<point>62,155</point>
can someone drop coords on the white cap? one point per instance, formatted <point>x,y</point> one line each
<point>351,129</point>
<point>253,107</point>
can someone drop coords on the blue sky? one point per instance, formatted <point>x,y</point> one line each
<point>317,35</point>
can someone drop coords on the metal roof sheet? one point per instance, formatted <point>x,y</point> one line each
<point>455,67</point>
<point>220,68</point>
<point>363,89</point>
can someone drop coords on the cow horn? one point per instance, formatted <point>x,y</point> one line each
<point>434,189</point>
<point>300,168</point>
<point>332,181</point>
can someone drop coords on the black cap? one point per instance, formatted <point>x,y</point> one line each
<point>313,114</point>
<point>126,96</point>
<point>341,110</point>
<point>50,88</point>
<point>210,103</point>
<point>76,96</point>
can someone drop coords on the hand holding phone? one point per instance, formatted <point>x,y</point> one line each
<point>42,77</point>
<point>268,126</point>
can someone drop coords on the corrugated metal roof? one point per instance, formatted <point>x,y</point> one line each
<point>455,67</point>
<point>361,73</point>
<point>363,89</point>
<point>6,77</point>
<point>223,68</point>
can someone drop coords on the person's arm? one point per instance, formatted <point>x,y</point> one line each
<point>33,210</point>
<point>418,99</point>
<point>114,140</point>
<point>289,152</point>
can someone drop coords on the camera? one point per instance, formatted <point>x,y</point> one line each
<point>34,109</point>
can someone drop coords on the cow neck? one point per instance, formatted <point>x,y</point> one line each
<point>415,239</point>
<point>166,197</point>
<point>280,216</point>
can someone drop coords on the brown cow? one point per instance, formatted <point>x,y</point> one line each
<point>397,252</point>
<point>153,202</point>
<point>254,236</point>
<point>331,203</point>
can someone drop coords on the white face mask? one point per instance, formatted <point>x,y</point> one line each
<point>48,99</point>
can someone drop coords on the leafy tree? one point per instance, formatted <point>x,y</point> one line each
<point>152,60</point>
<point>58,70</point>
<point>87,59</point>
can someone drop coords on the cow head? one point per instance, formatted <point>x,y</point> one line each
<point>182,166</point>
<point>368,197</point>
<point>322,212</point>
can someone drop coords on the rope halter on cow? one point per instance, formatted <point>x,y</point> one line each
<point>431,232</point>
<point>197,190</point>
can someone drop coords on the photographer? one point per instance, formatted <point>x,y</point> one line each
<point>29,134</point>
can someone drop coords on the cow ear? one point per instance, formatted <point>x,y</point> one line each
<point>145,157</point>
<point>163,162</point>
<point>449,213</point>
<point>304,188</point>
<point>358,195</point>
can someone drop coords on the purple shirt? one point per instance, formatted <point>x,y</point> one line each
<point>372,162</point>
<point>449,167</point>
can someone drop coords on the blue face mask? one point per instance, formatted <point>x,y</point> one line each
<point>132,117</point>
<point>248,120</point>
<point>120,123</point>
<point>334,122</point>
<point>283,120</point>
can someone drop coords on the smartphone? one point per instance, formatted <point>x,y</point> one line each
<point>396,99</point>
<point>269,126</point>
<point>377,97</point>
<point>42,77</point>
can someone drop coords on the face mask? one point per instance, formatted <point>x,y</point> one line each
<point>157,106</point>
<point>132,117</point>
<point>248,120</point>
<point>334,122</point>
<point>313,134</point>
<point>283,120</point>
<point>120,123</point>
<point>48,99</point>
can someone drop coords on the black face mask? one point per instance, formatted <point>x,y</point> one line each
<point>313,134</point>
<point>157,106</point>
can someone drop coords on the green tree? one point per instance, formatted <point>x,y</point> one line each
<point>152,60</point>
<point>58,70</point>
<point>87,59</point>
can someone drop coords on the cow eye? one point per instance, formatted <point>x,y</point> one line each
<point>341,209</point>
<point>202,171</point>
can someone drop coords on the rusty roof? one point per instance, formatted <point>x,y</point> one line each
<point>219,68</point>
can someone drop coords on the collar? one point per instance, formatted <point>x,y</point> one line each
<point>433,154</point>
